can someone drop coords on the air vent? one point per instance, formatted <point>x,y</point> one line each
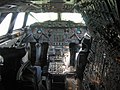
<point>69,1</point>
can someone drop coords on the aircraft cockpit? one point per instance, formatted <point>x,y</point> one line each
<point>59,45</point>
<point>42,45</point>
<point>50,46</point>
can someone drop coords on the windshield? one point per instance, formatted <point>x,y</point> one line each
<point>75,17</point>
<point>41,17</point>
<point>38,17</point>
<point>5,24</point>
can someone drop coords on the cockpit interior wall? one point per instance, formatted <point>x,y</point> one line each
<point>102,70</point>
<point>102,18</point>
<point>3,2</point>
<point>118,7</point>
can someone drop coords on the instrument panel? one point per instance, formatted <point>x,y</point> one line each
<point>57,24</point>
<point>58,58</point>
<point>57,33</point>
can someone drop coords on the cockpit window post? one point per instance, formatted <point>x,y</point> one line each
<point>25,19</point>
<point>13,19</point>
<point>59,16</point>
<point>2,16</point>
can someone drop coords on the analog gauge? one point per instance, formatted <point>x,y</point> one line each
<point>37,33</point>
<point>78,31</point>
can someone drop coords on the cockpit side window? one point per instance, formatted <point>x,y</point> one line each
<point>19,21</point>
<point>5,24</point>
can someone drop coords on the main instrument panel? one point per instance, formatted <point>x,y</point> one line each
<point>58,33</point>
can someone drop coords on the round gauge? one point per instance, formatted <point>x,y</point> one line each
<point>37,33</point>
<point>78,31</point>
